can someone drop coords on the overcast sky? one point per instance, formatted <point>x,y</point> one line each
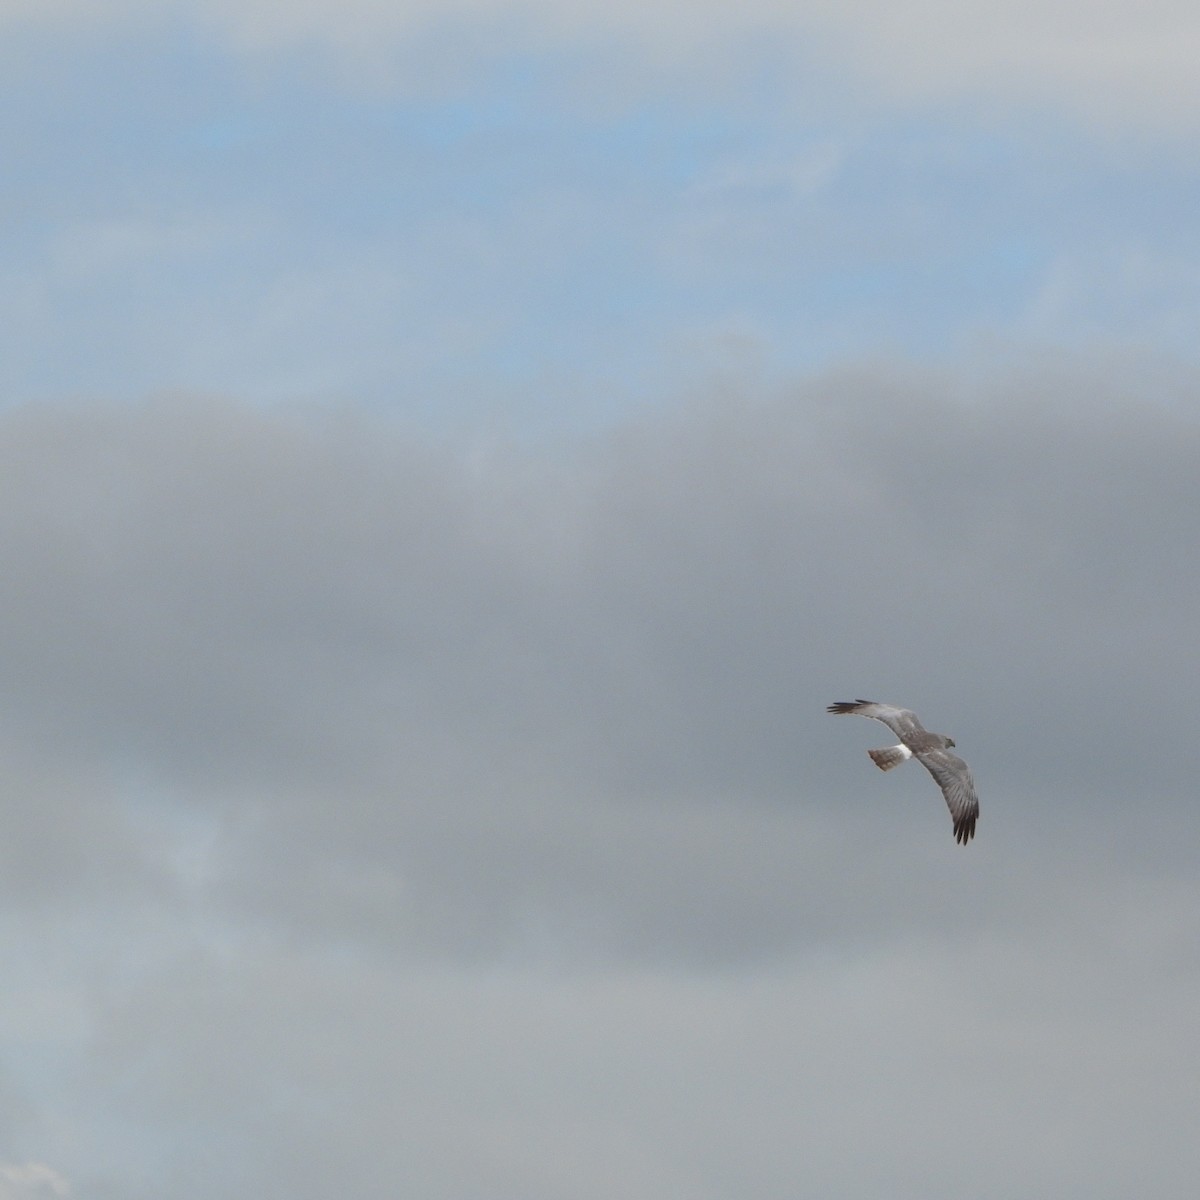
<point>451,453</point>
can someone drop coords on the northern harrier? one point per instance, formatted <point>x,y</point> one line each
<point>932,750</point>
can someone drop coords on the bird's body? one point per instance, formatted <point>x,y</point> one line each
<point>932,750</point>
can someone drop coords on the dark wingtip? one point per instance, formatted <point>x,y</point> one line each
<point>846,706</point>
<point>964,830</point>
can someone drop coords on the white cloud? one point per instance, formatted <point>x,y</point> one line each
<point>793,176</point>
<point>1124,61</point>
<point>1117,286</point>
<point>31,1181</point>
<point>84,252</point>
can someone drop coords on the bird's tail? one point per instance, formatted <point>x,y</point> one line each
<point>891,757</point>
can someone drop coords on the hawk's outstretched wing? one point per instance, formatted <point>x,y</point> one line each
<point>953,776</point>
<point>901,721</point>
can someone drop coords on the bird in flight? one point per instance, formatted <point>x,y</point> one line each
<point>931,750</point>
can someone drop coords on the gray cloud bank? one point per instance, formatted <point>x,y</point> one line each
<point>396,818</point>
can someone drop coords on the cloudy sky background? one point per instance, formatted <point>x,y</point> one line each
<point>450,455</point>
